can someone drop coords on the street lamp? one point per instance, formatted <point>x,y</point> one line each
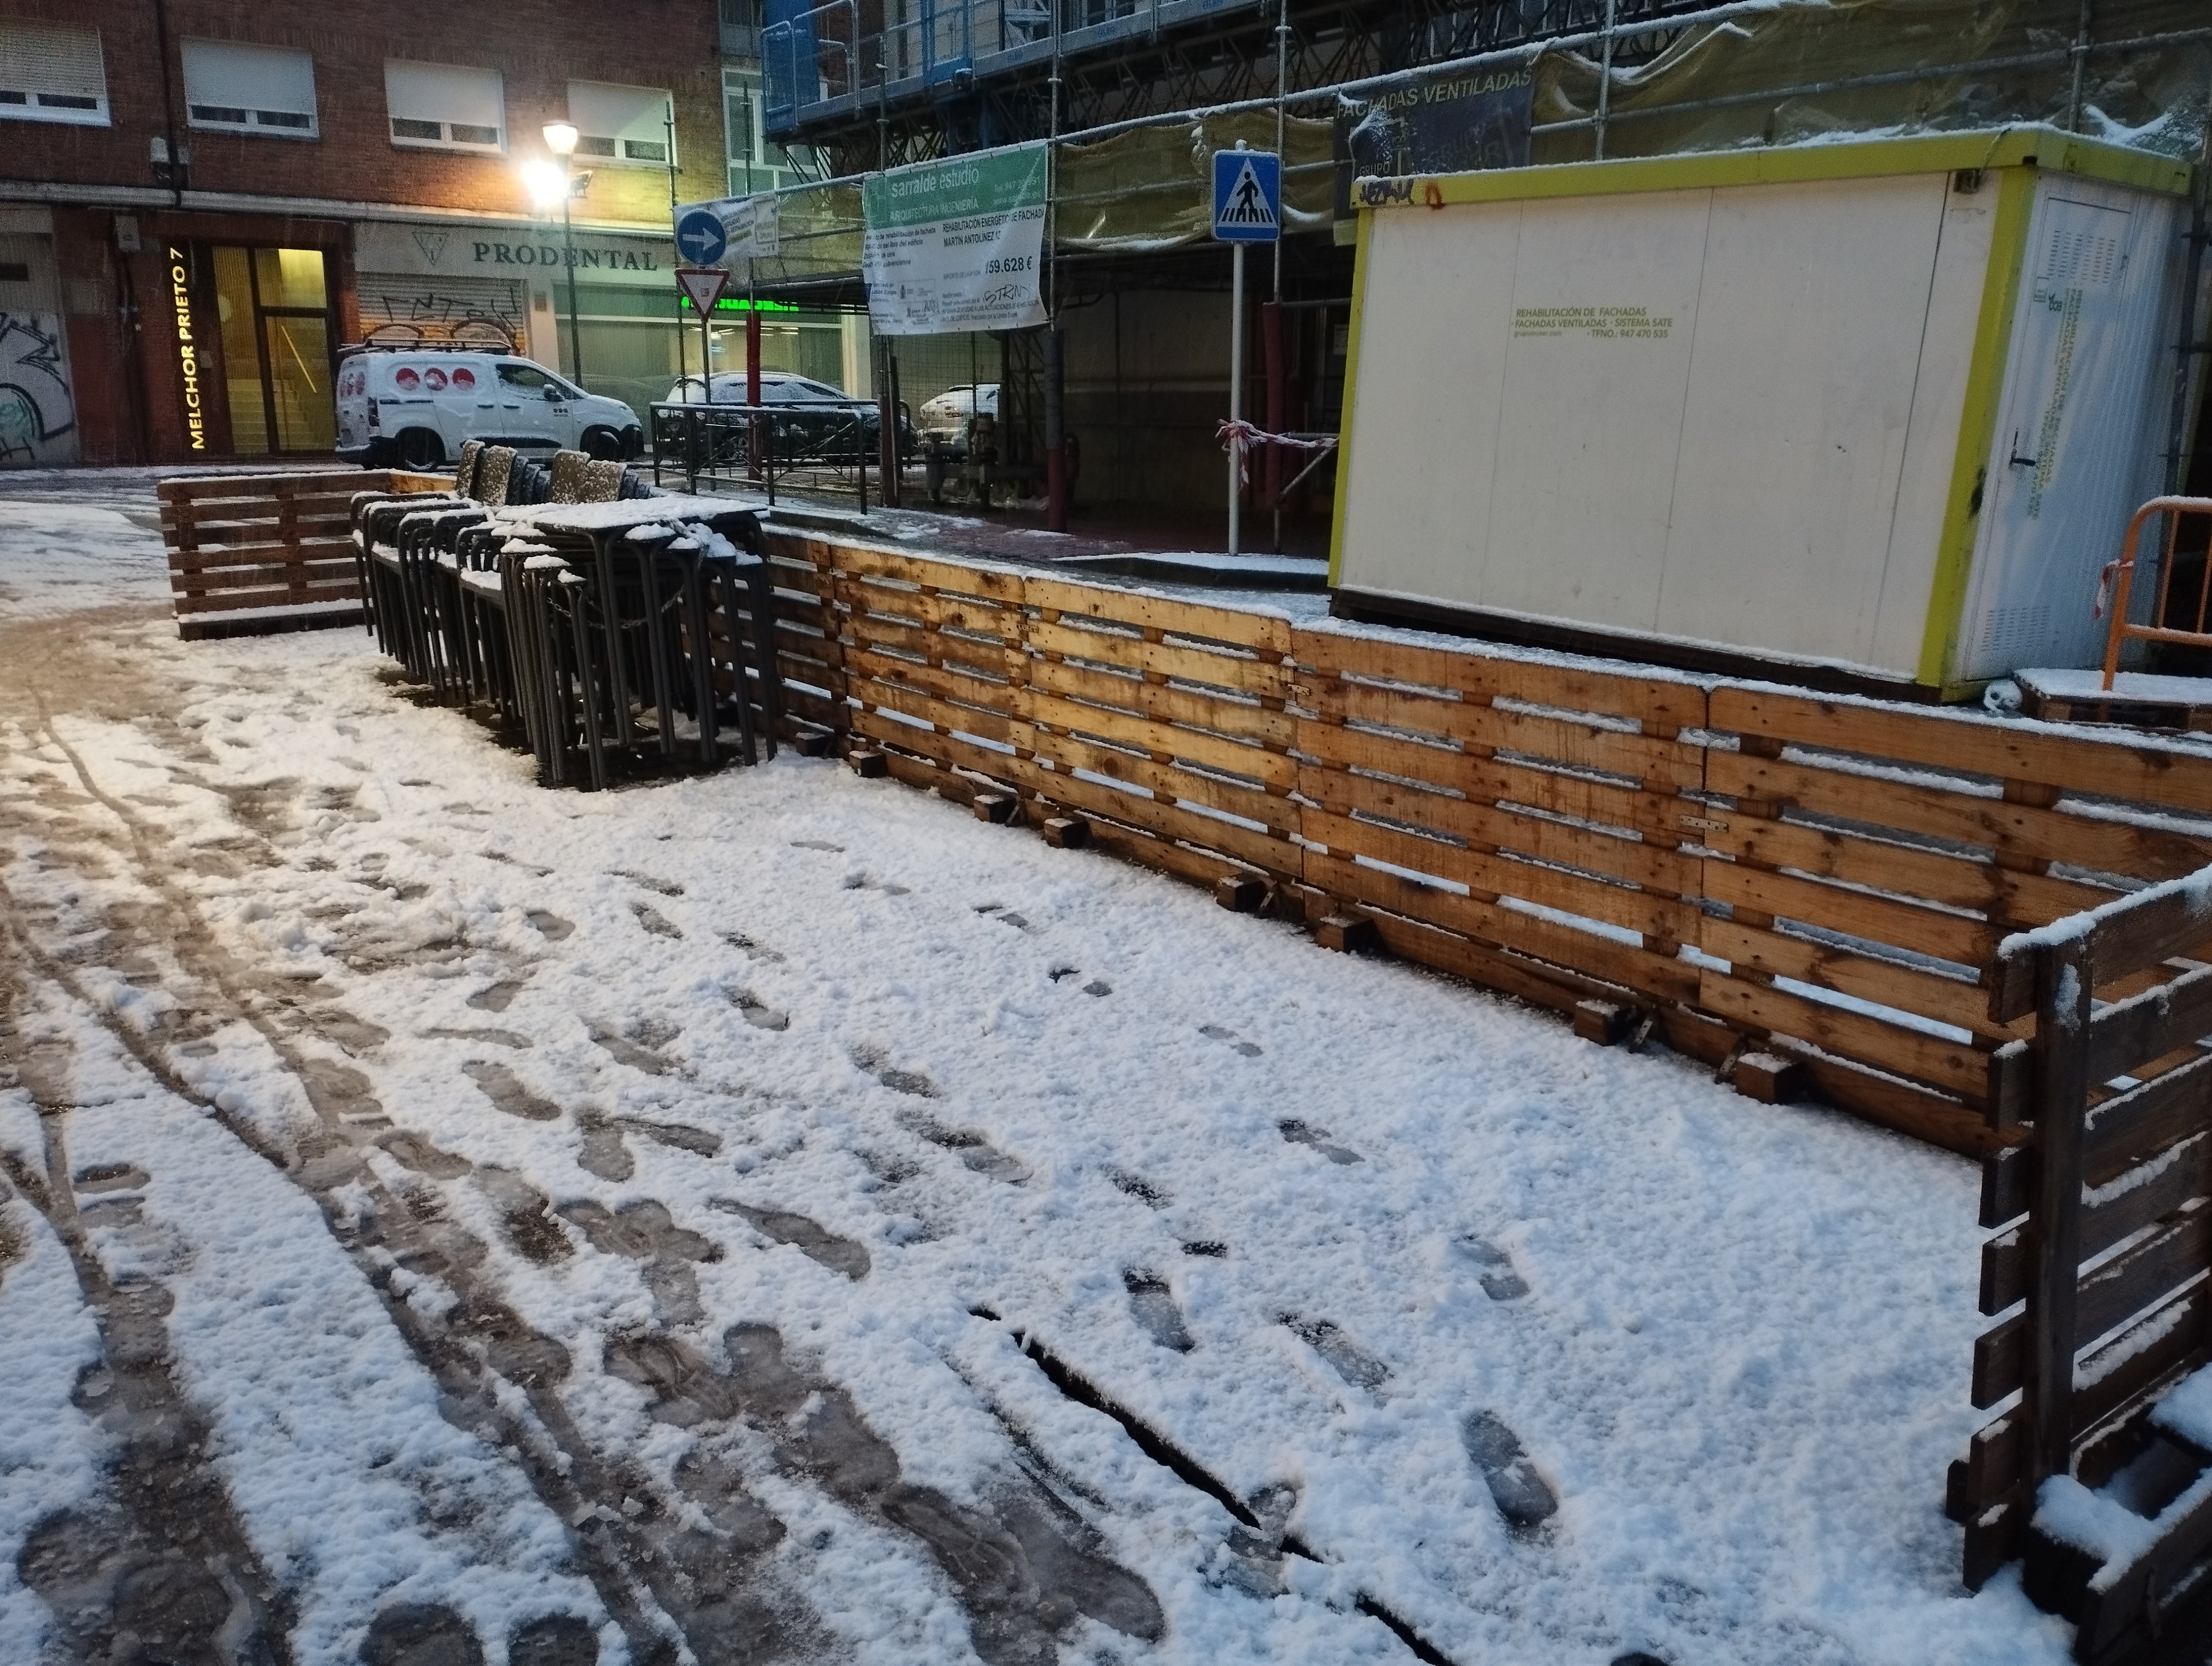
<point>561,140</point>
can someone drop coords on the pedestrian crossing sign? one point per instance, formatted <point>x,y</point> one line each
<point>1248,196</point>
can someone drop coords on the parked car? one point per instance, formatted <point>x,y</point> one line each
<point>821,421</point>
<point>413,407</point>
<point>948,418</point>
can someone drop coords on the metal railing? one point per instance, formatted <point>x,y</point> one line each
<point>2121,574</point>
<point>819,446</point>
<point>822,55</point>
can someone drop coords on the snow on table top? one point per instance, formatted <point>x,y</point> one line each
<point>1019,1077</point>
<point>2126,685</point>
<point>624,512</point>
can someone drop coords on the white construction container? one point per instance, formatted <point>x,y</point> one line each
<point>1880,408</point>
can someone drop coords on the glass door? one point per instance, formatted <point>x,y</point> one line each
<point>274,309</point>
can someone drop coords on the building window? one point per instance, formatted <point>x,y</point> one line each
<point>250,89</point>
<point>445,106</point>
<point>755,164</point>
<point>52,72</point>
<point>622,125</point>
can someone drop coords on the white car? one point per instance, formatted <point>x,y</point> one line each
<point>945,418</point>
<point>413,407</point>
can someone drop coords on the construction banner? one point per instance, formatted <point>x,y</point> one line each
<point>955,245</point>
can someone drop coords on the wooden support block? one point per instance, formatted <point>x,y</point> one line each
<point>820,744</point>
<point>1066,832</point>
<point>869,765</point>
<point>1347,934</point>
<point>1240,893</point>
<point>1607,1023</point>
<point>997,808</point>
<point>1769,1080</point>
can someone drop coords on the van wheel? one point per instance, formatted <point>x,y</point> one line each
<point>420,449</point>
<point>603,443</point>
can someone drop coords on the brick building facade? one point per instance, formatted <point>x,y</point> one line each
<point>201,199</point>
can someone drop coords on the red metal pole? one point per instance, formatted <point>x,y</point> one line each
<point>752,374</point>
<point>1271,350</point>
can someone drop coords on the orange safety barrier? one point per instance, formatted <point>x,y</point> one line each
<point>2120,576</point>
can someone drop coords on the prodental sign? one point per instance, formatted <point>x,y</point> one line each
<point>954,245</point>
<point>188,352</point>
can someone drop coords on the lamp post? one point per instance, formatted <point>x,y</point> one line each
<point>561,140</point>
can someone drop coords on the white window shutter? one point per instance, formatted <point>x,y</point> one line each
<point>620,124</point>
<point>236,84</point>
<point>52,72</point>
<point>452,106</point>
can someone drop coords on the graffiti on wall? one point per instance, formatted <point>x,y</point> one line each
<point>38,412</point>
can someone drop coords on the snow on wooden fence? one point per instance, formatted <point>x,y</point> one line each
<point>1806,892</point>
<point>2100,1271</point>
<point>272,552</point>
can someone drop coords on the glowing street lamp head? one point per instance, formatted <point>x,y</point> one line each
<point>546,183</point>
<point>560,139</point>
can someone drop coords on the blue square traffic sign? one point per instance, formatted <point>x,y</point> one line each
<point>1248,196</point>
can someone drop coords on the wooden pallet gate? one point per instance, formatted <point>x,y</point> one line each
<point>274,550</point>
<point>2102,1264</point>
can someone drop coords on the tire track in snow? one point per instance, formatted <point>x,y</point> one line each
<point>480,1342</point>
<point>158,1561</point>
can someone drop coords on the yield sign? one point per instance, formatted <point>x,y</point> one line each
<point>703,286</point>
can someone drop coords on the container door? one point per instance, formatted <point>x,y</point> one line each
<point>2076,427</point>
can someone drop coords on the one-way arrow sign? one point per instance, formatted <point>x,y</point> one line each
<point>1248,196</point>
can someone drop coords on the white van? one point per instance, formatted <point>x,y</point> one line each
<point>412,408</point>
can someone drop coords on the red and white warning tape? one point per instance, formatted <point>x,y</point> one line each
<point>1243,438</point>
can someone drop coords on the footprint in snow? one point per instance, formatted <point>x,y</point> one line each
<point>679,1136</point>
<point>513,1038</point>
<point>1215,1032</point>
<point>973,1149</point>
<point>1501,1280</point>
<point>818,844</point>
<point>1000,911</point>
<point>419,1633</point>
<point>604,1153</point>
<point>1211,1249</point>
<point>1357,1367</point>
<point>110,1178</point>
<point>664,887</point>
<point>645,1232</point>
<point>655,921</point>
<point>1304,1134</point>
<point>863,882</point>
<point>1154,1307</point>
<point>1521,1494</point>
<point>412,1150</point>
<point>505,1089</point>
<point>560,1639</point>
<point>899,1082</point>
<point>552,927</point>
<point>497,997</point>
<point>525,1217</point>
<point>1138,1187</point>
<point>810,1238</point>
<point>758,952</point>
<point>626,1051</point>
<point>758,1012</point>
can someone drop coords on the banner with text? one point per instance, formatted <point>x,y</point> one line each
<point>955,245</point>
<point>1451,123</point>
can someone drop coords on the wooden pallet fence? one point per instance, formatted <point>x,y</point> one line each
<point>810,651</point>
<point>1866,859</point>
<point>278,547</point>
<point>926,646</point>
<point>1517,821</point>
<point>1163,724</point>
<point>2102,1268</point>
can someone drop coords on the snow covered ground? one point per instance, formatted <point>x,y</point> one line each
<point>778,1217</point>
